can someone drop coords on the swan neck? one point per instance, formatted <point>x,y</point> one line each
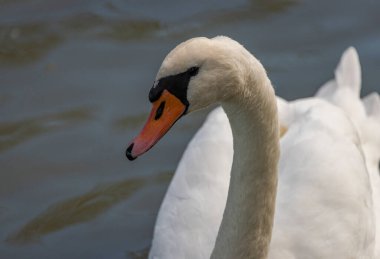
<point>247,222</point>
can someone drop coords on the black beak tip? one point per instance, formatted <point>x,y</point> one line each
<point>128,153</point>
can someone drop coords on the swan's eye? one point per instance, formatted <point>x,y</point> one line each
<point>193,71</point>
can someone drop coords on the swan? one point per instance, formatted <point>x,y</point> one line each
<point>324,206</point>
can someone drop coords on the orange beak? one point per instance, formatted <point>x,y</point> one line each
<point>165,112</point>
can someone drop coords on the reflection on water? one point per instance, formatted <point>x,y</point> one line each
<point>81,209</point>
<point>256,9</point>
<point>75,210</point>
<point>130,122</point>
<point>142,254</point>
<point>130,30</point>
<point>14,133</point>
<point>23,43</point>
<point>272,6</point>
<point>108,28</point>
<point>27,42</point>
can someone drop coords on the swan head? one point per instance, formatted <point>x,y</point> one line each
<point>195,74</point>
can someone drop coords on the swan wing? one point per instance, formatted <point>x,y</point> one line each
<point>344,92</point>
<point>324,200</point>
<point>371,147</point>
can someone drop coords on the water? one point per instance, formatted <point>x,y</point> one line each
<point>74,79</point>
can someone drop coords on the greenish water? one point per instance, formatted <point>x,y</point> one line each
<point>74,80</point>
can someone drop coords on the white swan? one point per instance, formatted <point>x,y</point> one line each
<point>324,207</point>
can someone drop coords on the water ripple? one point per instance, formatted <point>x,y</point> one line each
<point>15,133</point>
<point>82,208</point>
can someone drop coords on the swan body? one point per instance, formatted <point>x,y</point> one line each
<point>344,92</point>
<point>325,204</point>
<point>192,210</point>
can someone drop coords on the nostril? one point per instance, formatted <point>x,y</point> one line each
<point>128,152</point>
<point>160,110</point>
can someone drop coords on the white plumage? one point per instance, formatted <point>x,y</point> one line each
<point>328,199</point>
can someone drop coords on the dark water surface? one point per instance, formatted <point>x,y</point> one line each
<point>74,80</point>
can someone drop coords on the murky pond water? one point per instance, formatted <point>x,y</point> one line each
<point>74,79</point>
